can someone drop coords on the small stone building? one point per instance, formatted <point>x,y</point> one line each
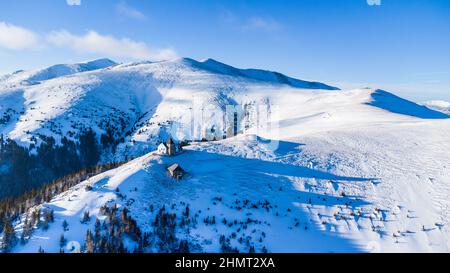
<point>176,171</point>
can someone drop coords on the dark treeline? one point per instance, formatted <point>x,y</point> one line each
<point>33,175</point>
<point>36,219</point>
<point>26,168</point>
<point>11,208</point>
<point>108,236</point>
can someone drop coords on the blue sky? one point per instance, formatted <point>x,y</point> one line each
<point>399,45</point>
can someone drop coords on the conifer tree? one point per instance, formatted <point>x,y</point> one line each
<point>62,241</point>
<point>89,242</point>
<point>86,217</point>
<point>9,238</point>
<point>65,225</point>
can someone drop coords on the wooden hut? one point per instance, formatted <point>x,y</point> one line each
<point>176,171</point>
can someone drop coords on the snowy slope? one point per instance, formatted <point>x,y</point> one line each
<point>382,188</point>
<point>37,75</point>
<point>313,169</point>
<point>438,105</point>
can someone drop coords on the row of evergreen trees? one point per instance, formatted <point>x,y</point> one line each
<point>37,219</point>
<point>12,208</point>
<point>109,235</point>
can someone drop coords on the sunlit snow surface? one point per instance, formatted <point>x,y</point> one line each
<point>361,169</point>
<point>439,105</point>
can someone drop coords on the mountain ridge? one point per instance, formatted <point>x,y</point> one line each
<point>55,71</point>
<point>138,96</point>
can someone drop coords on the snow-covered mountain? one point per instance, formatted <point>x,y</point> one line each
<point>439,105</point>
<point>132,97</point>
<point>312,168</point>
<point>35,76</point>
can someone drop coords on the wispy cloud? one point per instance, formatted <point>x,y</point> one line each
<point>123,9</point>
<point>73,2</point>
<point>17,38</point>
<point>373,2</point>
<point>110,46</point>
<point>252,23</point>
<point>14,38</point>
<point>263,24</point>
<point>227,16</point>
